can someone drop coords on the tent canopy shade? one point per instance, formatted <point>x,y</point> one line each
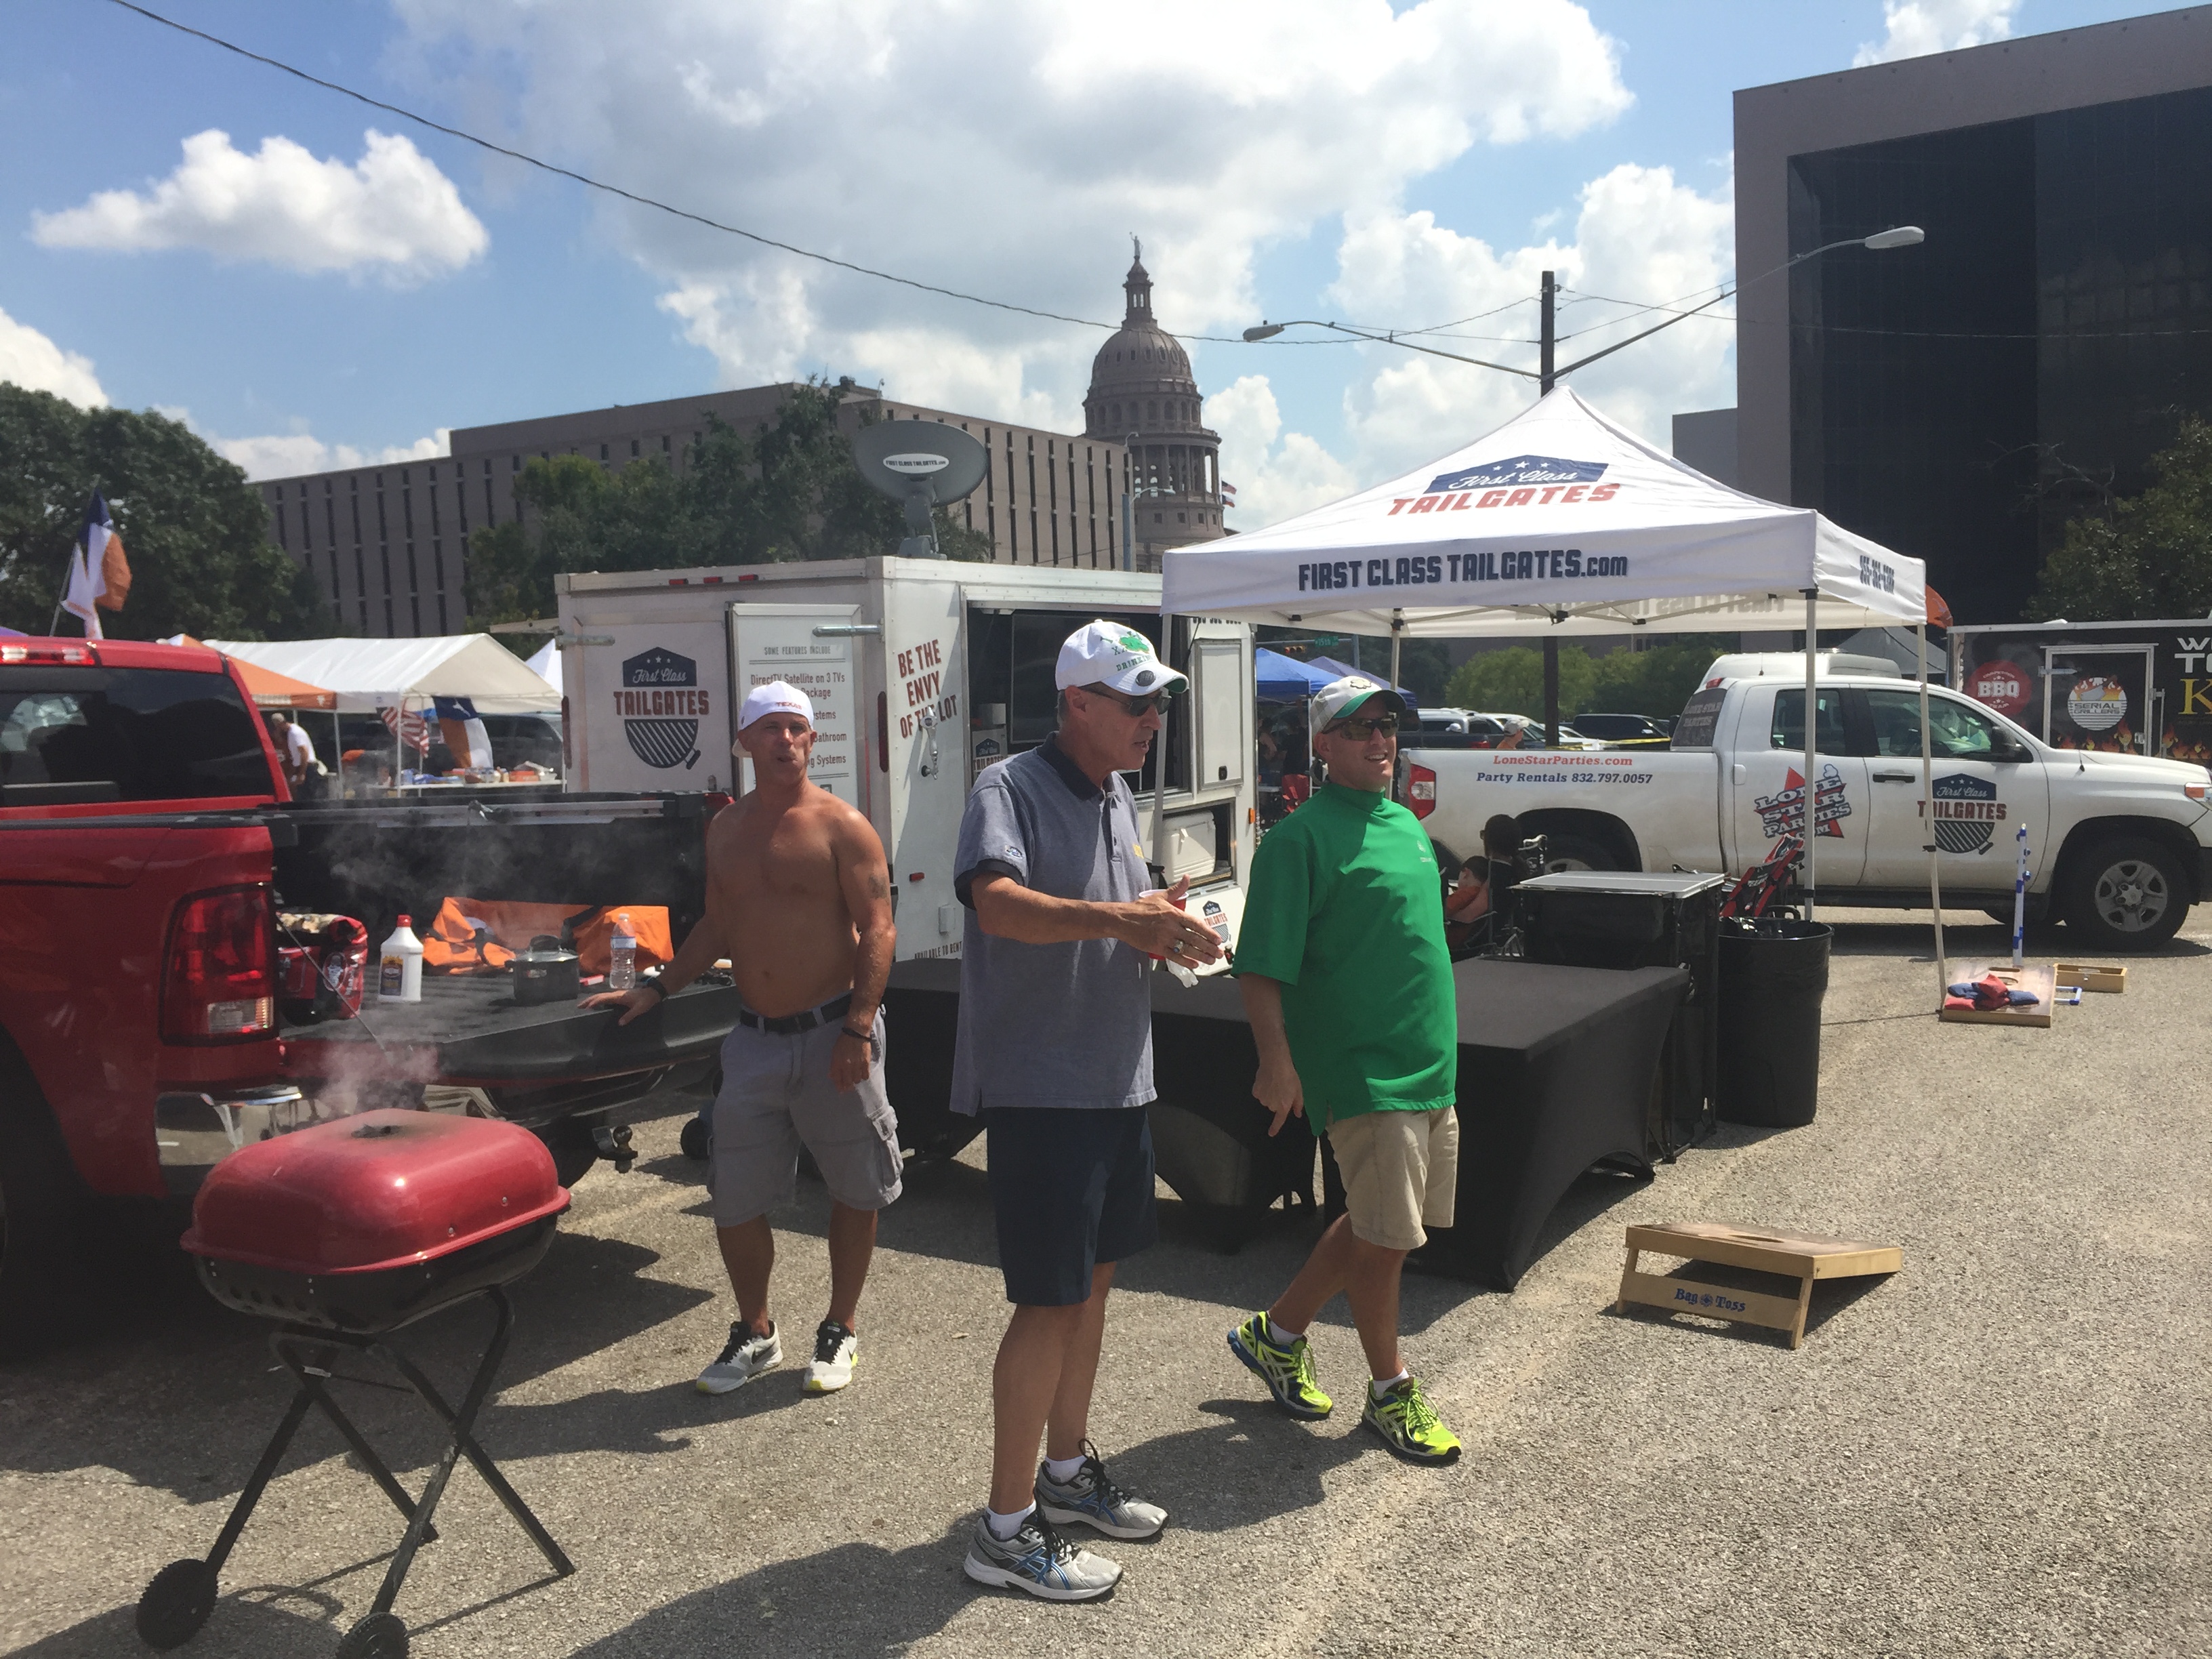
<point>1557,522</point>
<point>1285,679</point>
<point>268,688</point>
<point>368,674</point>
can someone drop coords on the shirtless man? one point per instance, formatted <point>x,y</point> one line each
<point>798,899</point>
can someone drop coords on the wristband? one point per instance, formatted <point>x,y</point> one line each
<point>653,986</point>
<point>868,1038</point>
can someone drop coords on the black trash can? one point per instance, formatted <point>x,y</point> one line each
<point>1773,976</point>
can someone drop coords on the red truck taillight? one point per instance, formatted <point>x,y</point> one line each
<point>220,980</point>
<point>1421,791</point>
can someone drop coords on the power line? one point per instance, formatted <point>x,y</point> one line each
<point>589,182</point>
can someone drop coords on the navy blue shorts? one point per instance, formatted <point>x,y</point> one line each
<point>1072,1187</point>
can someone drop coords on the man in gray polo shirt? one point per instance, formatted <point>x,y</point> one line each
<point>1055,1050</point>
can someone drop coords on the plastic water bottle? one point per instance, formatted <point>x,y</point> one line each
<point>399,971</point>
<point>622,967</point>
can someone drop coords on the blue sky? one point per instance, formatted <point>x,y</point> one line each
<point>307,302</point>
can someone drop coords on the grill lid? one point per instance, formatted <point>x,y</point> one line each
<point>382,1189</point>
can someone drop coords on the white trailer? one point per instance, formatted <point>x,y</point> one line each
<point>923,673</point>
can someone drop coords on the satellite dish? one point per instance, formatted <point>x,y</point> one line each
<point>921,465</point>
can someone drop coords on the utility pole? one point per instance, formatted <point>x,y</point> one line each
<point>1544,380</point>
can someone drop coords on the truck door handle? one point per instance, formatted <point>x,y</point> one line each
<point>1892,777</point>
<point>1739,772</point>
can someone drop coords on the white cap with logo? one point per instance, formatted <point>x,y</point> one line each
<point>1121,658</point>
<point>1339,699</point>
<point>773,698</point>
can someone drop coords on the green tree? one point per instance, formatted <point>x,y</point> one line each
<point>2151,556</point>
<point>195,532</point>
<point>788,491</point>
<point>1657,681</point>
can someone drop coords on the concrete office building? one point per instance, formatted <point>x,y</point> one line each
<point>1961,401</point>
<point>388,543</point>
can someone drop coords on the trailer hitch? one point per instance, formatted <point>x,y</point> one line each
<point>611,1141</point>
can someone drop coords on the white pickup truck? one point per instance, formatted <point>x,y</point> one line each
<point>2120,846</point>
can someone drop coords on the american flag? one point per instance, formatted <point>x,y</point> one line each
<point>1228,493</point>
<point>412,729</point>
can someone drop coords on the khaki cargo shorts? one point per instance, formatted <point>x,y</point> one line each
<point>776,1094</point>
<point>1400,1174</point>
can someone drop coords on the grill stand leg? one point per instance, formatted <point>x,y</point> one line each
<point>462,1440</point>
<point>312,1386</point>
<point>264,1471</point>
<point>466,1442</point>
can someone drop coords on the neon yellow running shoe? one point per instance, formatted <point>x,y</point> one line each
<point>1287,1371</point>
<point>1409,1426</point>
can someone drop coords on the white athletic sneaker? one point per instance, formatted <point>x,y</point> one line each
<point>1094,1500</point>
<point>836,1350</point>
<point>744,1358</point>
<point>1038,1559</point>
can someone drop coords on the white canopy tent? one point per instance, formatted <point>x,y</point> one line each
<point>1561,523</point>
<point>371,674</point>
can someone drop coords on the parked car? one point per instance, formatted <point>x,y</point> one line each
<point>145,836</point>
<point>1616,729</point>
<point>2119,846</point>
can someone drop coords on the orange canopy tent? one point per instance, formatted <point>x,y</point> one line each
<point>270,689</point>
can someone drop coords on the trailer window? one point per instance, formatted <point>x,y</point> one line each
<point>70,736</point>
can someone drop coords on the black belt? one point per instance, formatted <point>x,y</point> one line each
<point>828,1014</point>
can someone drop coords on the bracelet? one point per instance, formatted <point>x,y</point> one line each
<point>653,986</point>
<point>868,1038</point>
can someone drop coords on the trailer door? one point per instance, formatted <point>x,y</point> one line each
<point>923,721</point>
<point>810,648</point>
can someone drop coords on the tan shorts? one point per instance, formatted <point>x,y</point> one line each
<point>1400,1174</point>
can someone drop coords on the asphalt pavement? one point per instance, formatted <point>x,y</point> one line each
<point>2001,1451</point>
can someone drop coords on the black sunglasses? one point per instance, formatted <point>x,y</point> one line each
<point>1358,730</point>
<point>1135,708</point>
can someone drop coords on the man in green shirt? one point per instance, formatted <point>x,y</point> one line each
<point>1347,983</point>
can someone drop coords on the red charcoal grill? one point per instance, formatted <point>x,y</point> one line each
<point>344,1232</point>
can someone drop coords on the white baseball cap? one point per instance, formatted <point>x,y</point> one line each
<point>1339,699</point>
<point>1121,658</point>
<point>773,698</point>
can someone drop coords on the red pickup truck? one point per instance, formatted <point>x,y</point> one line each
<point>148,842</point>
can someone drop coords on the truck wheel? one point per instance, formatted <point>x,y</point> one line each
<point>38,1203</point>
<point>1575,853</point>
<point>2125,894</point>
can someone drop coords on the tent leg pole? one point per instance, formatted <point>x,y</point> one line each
<point>1397,621</point>
<point>1812,737</point>
<point>1552,691</point>
<point>1928,821</point>
<point>1160,759</point>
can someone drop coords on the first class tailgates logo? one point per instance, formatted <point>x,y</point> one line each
<point>660,705</point>
<point>1784,811</point>
<point>1966,811</point>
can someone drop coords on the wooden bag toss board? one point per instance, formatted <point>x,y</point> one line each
<point>2033,977</point>
<point>2091,976</point>
<point>1790,1256</point>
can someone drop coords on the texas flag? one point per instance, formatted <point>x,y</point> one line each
<point>99,576</point>
<point>464,731</point>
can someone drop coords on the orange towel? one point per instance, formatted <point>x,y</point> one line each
<point>480,936</point>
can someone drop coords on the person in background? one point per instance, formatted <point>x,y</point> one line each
<point>1348,987</point>
<point>1475,910</point>
<point>297,751</point>
<point>1055,1049</point>
<point>798,898</point>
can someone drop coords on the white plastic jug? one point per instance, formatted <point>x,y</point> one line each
<point>399,965</point>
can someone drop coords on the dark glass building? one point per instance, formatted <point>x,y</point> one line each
<point>1962,399</point>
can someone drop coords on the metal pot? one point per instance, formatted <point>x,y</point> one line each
<point>546,976</point>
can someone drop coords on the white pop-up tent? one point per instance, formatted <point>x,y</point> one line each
<point>371,674</point>
<point>1559,522</point>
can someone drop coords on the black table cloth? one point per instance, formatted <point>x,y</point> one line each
<point>1556,1068</point>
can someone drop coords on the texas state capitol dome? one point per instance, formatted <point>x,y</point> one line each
<point>1142,393</point>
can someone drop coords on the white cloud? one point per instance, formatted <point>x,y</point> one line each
<point>392,212</point>
<point>1277,474</point>
<point>1004,148</point>
<point>32,360</point>
<point>1918,27</point>
<point>287,455</point>
<point>1640,236</point>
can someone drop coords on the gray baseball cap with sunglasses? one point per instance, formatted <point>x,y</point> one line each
<point>1355,693</point>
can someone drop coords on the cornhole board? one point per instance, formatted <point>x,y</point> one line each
<point>1790,1256</point>
<point>2034,976</point>
<point>2091,976</point>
